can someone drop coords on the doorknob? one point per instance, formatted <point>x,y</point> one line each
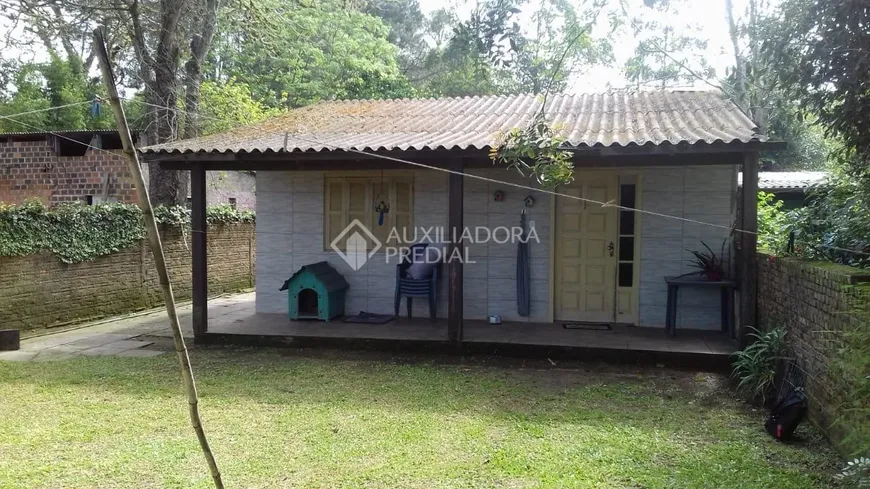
<point>610,248</point>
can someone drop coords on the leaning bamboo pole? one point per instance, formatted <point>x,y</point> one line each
<point>156,251</point>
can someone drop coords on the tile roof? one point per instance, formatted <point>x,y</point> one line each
<point>589,120</point>
<point>788,180</point>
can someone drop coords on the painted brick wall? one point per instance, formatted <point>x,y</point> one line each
<point>289,235</point>
<point>815,302</point>
<point>40,291</point>
<point>700,193</point>
<point>31,169</point>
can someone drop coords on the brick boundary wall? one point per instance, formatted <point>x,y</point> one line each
<point>32,169</point>
<point>40,291</point>
<point>815,302</point>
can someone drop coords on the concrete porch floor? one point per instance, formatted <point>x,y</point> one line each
<point>232,319</point>
<point>620,337</point>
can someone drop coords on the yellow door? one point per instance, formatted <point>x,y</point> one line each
<point>585,249</point>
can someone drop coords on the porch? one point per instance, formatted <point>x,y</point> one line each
<point>236,322</point>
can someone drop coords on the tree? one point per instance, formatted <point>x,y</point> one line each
<point>821,58</point>
<point>57,83</point>
<point>147,45</point>
<point>669,52</point>
<point>302,54</point>
<point>229,104</point>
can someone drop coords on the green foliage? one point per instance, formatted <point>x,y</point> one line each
<point>851,365</point>
<point>228,104</point>
<point>76,232</point>
<point>536,152</point>
<point>52,84</point>
<point>820,56</point>
<point>773,224</point>
<point>856,473</point>
<point>299,54</point>
<point>73,232</point>
<point>836,225</point>
<point>755,365</point>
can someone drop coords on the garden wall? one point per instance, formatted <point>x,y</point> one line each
<point>816,302</point>
<point>40,291</point>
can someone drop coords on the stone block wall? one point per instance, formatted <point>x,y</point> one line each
<point>40,291</point>
<point>816,302</point>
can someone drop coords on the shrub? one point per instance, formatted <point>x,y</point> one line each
<point>755,365</point>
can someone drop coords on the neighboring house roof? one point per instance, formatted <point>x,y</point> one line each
<point>324,273</point>
<point>769,181</point>
<point>65,132</point>
<point>591,120</point>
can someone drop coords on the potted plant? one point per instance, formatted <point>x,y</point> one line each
<point>709,263</point>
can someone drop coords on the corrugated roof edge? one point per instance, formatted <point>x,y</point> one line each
<point>326,148</point>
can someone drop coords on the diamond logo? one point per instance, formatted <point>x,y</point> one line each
<point>355,251</point>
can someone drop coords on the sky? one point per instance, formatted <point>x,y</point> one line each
<point>707,15</point>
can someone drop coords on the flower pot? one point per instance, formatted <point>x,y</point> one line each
<point>714,275</point>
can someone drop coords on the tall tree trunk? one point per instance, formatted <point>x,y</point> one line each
<point>167,187</point>
<point>199,47</point>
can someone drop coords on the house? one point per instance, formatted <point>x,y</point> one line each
<point>324,172</point>
<point>790,187</point>
<point>69,166</point>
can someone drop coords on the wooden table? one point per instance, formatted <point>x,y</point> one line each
<point>726,286</point>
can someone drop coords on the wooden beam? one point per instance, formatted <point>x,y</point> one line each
<point>454,265</point>
<point>199,250</point>
<point>748,253</point>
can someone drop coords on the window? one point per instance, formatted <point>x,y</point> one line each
<point>625,275</point>
<point>232,201</point>
<point>349,198</point>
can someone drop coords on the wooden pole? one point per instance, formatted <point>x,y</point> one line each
<point>199,271</point>
<point>157,251</point>
<point>749,246</point>
<point>454,265</point>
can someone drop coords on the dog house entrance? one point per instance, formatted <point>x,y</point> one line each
<point>308,303</point>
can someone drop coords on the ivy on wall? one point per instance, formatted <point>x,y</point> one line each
<point>76,232</point>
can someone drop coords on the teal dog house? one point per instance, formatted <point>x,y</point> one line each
<point>316,291</point>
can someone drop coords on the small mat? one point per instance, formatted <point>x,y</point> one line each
<point>589,326</point>
<point>369,318</point>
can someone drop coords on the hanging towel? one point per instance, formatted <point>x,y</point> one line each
<point>523,274</point>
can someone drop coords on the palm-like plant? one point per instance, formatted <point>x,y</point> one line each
<point>709,263</point>
<point>755,365</point>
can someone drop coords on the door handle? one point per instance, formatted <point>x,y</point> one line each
<point>610,248</point>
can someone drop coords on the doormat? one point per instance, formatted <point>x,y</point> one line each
<point>369,318</point>
<point>588,326</point>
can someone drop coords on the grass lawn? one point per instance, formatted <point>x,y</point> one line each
<point>280,419</point>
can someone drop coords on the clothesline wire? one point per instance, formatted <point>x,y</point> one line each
<point>47,109</point>
<point>465,175</point>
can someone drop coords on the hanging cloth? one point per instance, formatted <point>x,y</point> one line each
<point>523,273</point>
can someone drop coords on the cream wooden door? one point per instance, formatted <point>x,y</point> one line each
<point>585,249</point>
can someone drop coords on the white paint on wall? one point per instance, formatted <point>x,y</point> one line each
<point>290,229</point>
<point>700,193</point>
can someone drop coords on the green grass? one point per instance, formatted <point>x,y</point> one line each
<point>277,420</point>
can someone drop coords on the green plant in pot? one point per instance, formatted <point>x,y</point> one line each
<point>708,263</point>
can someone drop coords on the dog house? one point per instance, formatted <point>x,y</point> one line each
<point>316,291</point>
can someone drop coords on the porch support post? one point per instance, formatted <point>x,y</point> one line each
<point>454,265</point>
<point>748,245</point>
<point>199,251</point>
